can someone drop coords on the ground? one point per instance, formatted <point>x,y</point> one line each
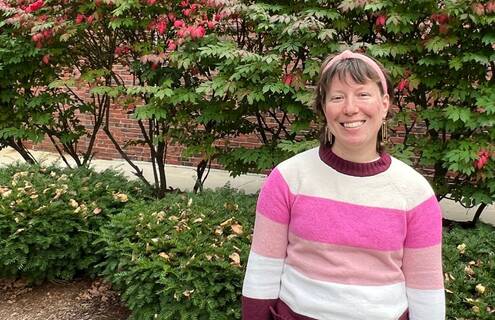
<point>75,300</point>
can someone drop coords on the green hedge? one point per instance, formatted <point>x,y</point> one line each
<point>49,218</point>
<point>469,267</point>
<point>182,257</point>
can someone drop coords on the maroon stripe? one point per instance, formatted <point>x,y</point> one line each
<point>354,168</point>
<point>276,309</point>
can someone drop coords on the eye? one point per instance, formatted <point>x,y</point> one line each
<point>336,98</point>
<point>364,94</point>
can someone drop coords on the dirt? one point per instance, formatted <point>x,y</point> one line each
<point>74,300</point>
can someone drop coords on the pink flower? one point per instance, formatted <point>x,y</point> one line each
<point>90,19</point>
<point>381,20</point>
<point>150,2</point>
<point>179,24</point>
<point>483,157</point>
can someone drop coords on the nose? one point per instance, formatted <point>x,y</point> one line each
<point>349,106</point>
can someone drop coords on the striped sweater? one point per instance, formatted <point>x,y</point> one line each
<point>340,240</point>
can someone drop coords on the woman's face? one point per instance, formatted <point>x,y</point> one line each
<point>354,113</point>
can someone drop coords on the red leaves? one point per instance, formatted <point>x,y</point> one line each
<point>35,6</point>
<point>483,157</point>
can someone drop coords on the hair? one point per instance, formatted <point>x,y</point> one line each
<point>360,72</point>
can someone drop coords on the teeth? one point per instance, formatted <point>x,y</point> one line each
<point>353,124</point>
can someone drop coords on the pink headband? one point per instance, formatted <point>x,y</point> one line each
<point>351,55</point>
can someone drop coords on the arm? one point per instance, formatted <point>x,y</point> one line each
<point>422,262</point>
<point>268,250</point>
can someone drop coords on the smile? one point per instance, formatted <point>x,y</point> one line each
<point>354,124</point>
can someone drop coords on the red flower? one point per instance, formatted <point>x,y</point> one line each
<point>161,27</point>
<point>179,24</point>
<point>46,59</point>
<point>483,157</point>
<point>198,32</point>
<point>150,2</point>
<point>287,79</point>
<point>80,18</point>
<point>90,19</point>
<point>171,45</point>
<point>442,18</point>
<point>37,37</point>
<point>187,12</point>
<point>35,6</point>
<point>490,7</point>
<point>403,84</point>
<point>211,24</point>
<point>381,20</point>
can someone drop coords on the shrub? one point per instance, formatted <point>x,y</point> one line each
<point>49,218</point>
<point>182,257</point>
<point>469,266</point>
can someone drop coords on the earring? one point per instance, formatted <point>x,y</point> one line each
<point>384,131</point>
<point>328,136</point>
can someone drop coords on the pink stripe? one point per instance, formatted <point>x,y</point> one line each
<point>424,225</point>
<point>423,268</point>
<point>329,221</point>
<point>269,238</point>
<point>275,198</point>
<point>346,265</point>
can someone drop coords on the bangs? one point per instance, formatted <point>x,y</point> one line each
<point>355,69</point>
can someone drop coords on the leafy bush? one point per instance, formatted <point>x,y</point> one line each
<point>469,266</point>
<point>182,257</point>
<point>49,218</point>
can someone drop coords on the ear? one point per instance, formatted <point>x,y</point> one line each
<point>385,105</point>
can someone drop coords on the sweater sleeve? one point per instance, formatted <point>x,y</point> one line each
<point>422,262</point>
<point>261,285</point>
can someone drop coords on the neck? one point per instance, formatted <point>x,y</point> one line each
<point>358,155</point>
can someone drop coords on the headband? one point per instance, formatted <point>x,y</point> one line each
<point>370,62</point>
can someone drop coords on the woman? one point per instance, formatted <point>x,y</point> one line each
<point>345,231</point>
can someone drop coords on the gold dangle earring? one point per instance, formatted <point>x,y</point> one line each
<point>384,131</point>
<point>328,136</point>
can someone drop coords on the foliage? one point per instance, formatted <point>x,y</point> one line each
<point>469,266</point>
<point>205,72</point>
<point>49,218</point>
<point>182,257</point>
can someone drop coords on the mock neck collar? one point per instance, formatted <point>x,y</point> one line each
<point>356,169</point>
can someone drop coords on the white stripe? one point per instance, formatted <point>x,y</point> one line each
<point>262,279</point>
<point>386,190</point>
<point>426,304</point>
<point>327,300</point>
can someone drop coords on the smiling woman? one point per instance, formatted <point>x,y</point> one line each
<point>345,231</point>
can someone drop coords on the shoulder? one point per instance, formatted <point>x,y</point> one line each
<point>412,185</point>
<point>292,170</point>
